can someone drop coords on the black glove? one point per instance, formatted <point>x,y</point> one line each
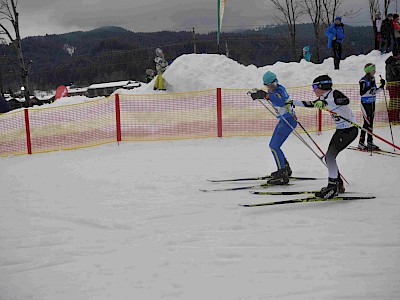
<point>289,102</point>
<point>260,94</point>
<point>383,82</point>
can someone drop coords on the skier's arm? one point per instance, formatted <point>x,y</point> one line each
<point>301,103</point>
<point>339,98</point>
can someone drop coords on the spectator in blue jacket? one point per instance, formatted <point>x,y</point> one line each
<point>4,105</point>
<point>306,53</point>
<point>335,34</point>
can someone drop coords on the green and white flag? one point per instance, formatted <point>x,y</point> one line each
<point>221,9</point>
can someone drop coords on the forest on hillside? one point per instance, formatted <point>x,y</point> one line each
<point>113,53</point>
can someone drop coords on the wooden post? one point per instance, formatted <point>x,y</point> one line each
<point>28,132</point>
<point>319,121</point>
<point>118,118</point>
<point>219,112</point>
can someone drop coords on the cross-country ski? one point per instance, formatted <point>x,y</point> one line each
<point>307,200</point>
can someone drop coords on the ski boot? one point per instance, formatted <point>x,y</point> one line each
<point>372,147</point>
<point>361,146</point>
<point>341,188</point>
<point>286,168</point>
<point>330,191</point>
<point>279,177</point>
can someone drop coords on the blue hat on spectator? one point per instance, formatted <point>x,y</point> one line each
<point>338,18</point>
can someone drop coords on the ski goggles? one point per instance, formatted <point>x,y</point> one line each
<point>268,84</point>
<point>317,85</point>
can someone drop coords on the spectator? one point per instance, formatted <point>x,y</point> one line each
<point>306,53</point>
<point>149,75</point>
<point>161,66</point>
<point>4,105</point>
<point>396,31</point>
<point>386,33</point>
<point>368,90</point>
<point>393,85</point>
<point>377,30</point>
<point>335,34</point>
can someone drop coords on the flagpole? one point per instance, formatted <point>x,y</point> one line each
<point>218,23</point>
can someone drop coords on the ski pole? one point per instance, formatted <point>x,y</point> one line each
<point>294,131</point>
<point>315,143</point>
<point>387,109</point>
<point>363,129</point>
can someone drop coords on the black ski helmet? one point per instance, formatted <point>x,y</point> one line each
<point>323,82</point>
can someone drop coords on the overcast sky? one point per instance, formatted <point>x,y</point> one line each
<point>40,17</point>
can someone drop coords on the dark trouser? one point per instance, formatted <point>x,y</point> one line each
<point>396,45</point>
<point>368,110</point>
<point>386,42</point>
<point>337,53</point>
<point>340,140</point>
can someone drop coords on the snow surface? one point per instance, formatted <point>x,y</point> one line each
<point>129,222</point>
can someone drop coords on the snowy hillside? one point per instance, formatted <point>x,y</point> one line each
<point>194,72</point>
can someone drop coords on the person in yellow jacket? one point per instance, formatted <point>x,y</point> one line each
<point>161,66</point>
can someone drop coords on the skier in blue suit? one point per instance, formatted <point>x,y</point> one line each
<point>277,97</point>
<point>335,34</point>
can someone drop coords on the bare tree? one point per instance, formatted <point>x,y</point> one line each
<point>373,9</point>
<point>332,8</point>
<point>386,4</point>
<point>9,14</point>
<point>314,10</point>
<point>291,11</point>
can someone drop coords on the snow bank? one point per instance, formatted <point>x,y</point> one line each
<point>195,72</point>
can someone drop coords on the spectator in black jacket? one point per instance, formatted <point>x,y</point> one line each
<point>387,33</point>
<point>393,85</point>
<point>4,105</point>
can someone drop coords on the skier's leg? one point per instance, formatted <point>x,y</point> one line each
<point>281,133</point>
<point>340,140</point>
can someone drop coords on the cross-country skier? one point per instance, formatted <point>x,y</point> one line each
<point>345,133</point>
<point>368,92</point>
<point>278,97</point>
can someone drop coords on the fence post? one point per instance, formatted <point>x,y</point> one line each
<point>28,132</point>
<point>319,121</point>
<point>219,112</point>
<point>118,118</point>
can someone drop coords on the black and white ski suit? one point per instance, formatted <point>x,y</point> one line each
<point>345,132</point>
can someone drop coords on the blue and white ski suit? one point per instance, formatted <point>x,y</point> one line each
<point>282,130</point>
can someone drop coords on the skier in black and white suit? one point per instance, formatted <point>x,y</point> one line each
<point>344,135</point>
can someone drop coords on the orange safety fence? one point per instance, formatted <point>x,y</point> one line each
<point>169,116</point>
